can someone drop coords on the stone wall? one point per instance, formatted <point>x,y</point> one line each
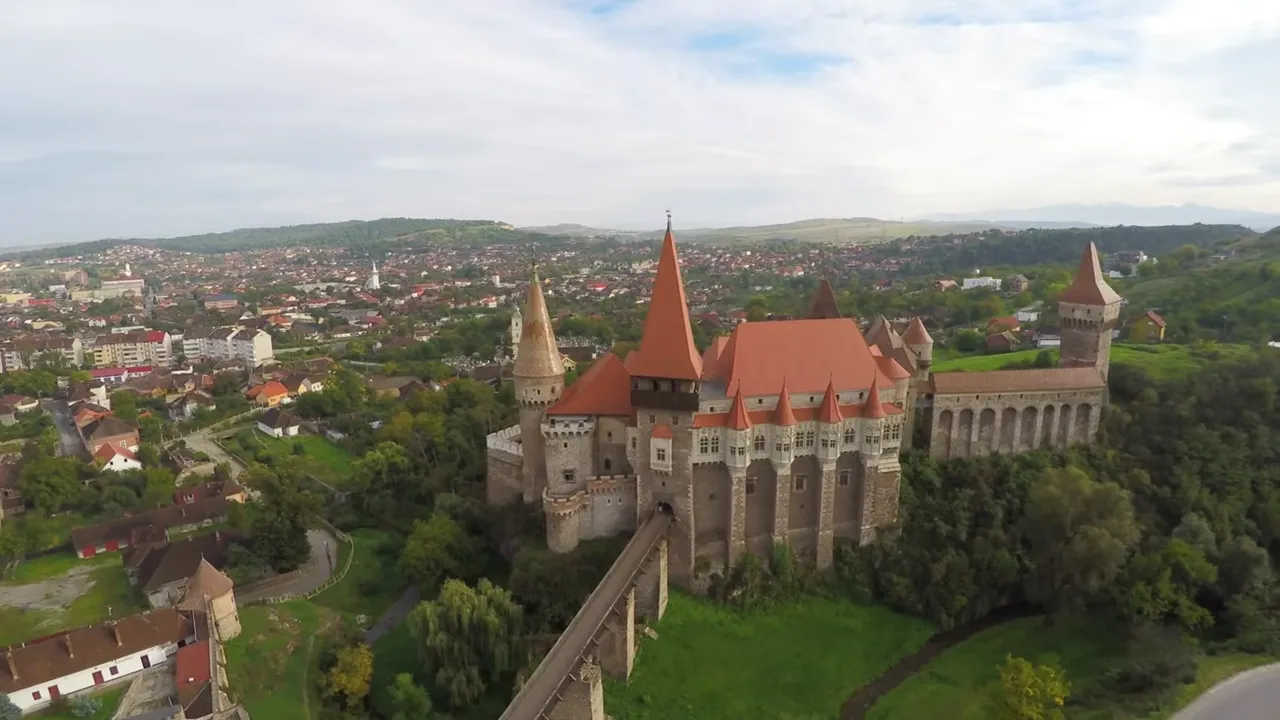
<point>674,488</point>
<point>612,506</point>
<point>611,447</point>
<point>503,463</point>
<point>973,426</point>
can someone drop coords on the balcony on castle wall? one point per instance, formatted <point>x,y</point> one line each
<point>506,440</point>
<point>829,447</point>
<point>562,503</point>
<point>568,426</point>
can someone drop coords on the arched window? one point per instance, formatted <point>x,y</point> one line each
<point>759,443</point>
<point>809,438</point>
<point>715,444</point>
<point>704,445</point>
<point>850,436</point>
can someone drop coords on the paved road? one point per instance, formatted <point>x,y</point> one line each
<point>538,694</point>
<point>393,616</point>
<point>1251,695</point>
<point>202,441</point>
<point>324,556</point>
<point>68,439</point>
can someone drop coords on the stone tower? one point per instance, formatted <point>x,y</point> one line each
<point>824,303</point>
<point>1088,310</point>
<point>539,381</point>
<point>666,372</point>
<point>209,590</point>
<point>517,327</point>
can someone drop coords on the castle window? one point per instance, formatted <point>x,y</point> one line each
<point>759,443</point>
<point>845,477</point>
<point>777,447</point>
<point>652,419</point>
<point>633,443</point>
<point>662,454</point>
<point>797,484</point>
<point>715,444</point>
<point>751,486</point>
<point>569,476</point>
<point>786,447</point>
<point>566,445</point>
<point>850,436</point>
<point>675,420</point>
<point>808,438</point>
<point>609,435</point>
<point>704,444</point>
<point>608,464</point>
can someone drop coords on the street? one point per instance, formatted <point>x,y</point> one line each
<point>1251,695</point>
<point>68,439</point>
<point>202,441</point>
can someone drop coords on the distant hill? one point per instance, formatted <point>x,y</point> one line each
<point>1118,214</point>
<point>822,230</point>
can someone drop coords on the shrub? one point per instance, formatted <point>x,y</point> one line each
<point>83,706</point>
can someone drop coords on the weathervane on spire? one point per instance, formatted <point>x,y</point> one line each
<point>668,219</point>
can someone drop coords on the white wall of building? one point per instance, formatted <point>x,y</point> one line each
<point>39,696</point>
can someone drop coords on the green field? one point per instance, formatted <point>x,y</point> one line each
<point>110,701</point>
<point>371,585</point>
<point>1160,361</point>
<point>798,660</point>
<point>322,459</point>
<point>959,683</point>
<point>108,594</point>
<point>273,665</point>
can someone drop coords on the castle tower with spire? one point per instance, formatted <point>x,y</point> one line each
<point>1088,309</point>
<point>539,381</point>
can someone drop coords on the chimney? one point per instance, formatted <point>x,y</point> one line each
<point>70,650</point>
<point>13,666</point>
<point>115,630</point>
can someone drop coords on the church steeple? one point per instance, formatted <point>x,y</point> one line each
<point>537,355</point>
<point>824,303</point>
<point>666,349</point>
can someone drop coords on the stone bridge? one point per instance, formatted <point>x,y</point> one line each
<point>602,636</point>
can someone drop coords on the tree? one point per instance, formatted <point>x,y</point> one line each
<point>49,483</point>
<point>8,711</point>
<point>1030,692</point>
<point>470,638</point>
<point>407,700</point>
<point>278,528</point>
<point>350,676</point>
<point>436,549</point>
<point>1078,533</point>
<point>1162,585</point>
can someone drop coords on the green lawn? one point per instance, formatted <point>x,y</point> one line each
<point>958,683</point>
<point>49,566</point>
<point>110,701</point>
<point>323,459</point>
<point>371,585</point>
<point>799,660</point>
<point>272,667</point>
<point>1160,361</point>
<point>109,595</point>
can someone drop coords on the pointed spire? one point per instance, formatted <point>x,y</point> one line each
<point>537,355</point>
<point>916,333</point>
<point>1088,287</point>
<point>824,303</point>
<point>783,416</point>
<point>667,349</point>
<point>873,409</point>
<point>830,412</point>
<point>738,419</point>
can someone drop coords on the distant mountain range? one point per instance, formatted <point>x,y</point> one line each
<point>821,230</point>
<point>1117,214</point>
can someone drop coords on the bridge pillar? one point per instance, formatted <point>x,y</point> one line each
<point>651,585</point>
<point>581,698</point>
<point>737,517</point>
<point>826,517</point>
<point>617,644</point>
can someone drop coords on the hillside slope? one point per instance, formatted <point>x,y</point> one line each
<point>841,231</point>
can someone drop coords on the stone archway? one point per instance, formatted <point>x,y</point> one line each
<point>1008,428</point>
<point>1084,417</point>
<point>762,493</point>
<point>964,434</point>
<point>1064,426</point>
<point>1027,433</point>
<point>1047,425</point>
<point>986,432</point>
<point>942,434</point>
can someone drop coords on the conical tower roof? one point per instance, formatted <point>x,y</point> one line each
<point>783,415</point>
<point>738,419</point>
<point>1088,287</point>
<point>916,333</point>
<point>667,349</point>
<point>538,355</point>
<point>873,409</point>
<point>830,411</point>
<point>824,303</point>
<point>208,582</point>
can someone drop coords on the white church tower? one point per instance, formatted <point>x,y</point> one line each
<point>373,283</point>
<point>517,325</point>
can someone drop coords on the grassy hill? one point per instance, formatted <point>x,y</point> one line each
<point>821,230</point>
<point>1159,361</point>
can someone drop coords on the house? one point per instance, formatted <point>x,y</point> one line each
<point>1147,328</point>
<point>278,423</point>
<point>399,386</point>
<point>1048,340</point>
<point>87,412</point>
<point>220,302</point>
<point>1008,323</point>
<point>161,570</point>
<point>38,673</point>
<point>945,285</point>
<point>1030,313</point>
<point>148,526</point>
<point>299,384</point>
<point>186,405</point>
<point>1017,284</point>
<point>980,282</point>
<point>1002,341</point>
<point>227,489</point>
<point>117,459</point>
<point>268,394</point>
<point>110,430</point>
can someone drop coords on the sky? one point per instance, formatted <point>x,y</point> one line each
<point>164,117</point>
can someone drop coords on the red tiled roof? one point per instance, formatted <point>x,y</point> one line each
<point>782,415</point>
<point>1153,317</point>
<point>108,451</point>
<point>712,354</point>
<point>1088,287</point>
<point>891,368</point>
<point>604,389</point>
<point>830,410</point>
<point>916,333</point>
<point>738,418</point>
<point>873,409</point>
<point>802,415</point>
<point>824,303</point>
<point>538,355</point>
<point>662,431</point>
<point>667,349</point>
<point>808,353</point>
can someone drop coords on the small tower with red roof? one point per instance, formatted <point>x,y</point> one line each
<point>784,439</point>
<point>539,382</point>
<point>1088,309</point>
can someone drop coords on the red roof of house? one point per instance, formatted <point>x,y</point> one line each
<point>667,349</point>
<point>155,336</point>
<point>1153,317</point>
<point>604,389</point>
<point>191,666</point>
<point>108,451</point>
<point>916,333</point>
<point>891,368</point>
<point>271,388</point>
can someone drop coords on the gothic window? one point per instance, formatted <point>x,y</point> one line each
<point>808,438</point>
<point>845,477</point>
<point>662,454</point>
<point>608,464</point>
<point>825,443</point>
<point>652,419</point>
<point>704,444</point>
<point>715,444</point>
<point>850,436</point>
<point>675,420</point>
<point>759,443</point>
<point>633,443</point>
<point>751,486</point>
<point>786,447</point>
<point>569,476</point>
<point>798,483</point>
<point>777,447</point>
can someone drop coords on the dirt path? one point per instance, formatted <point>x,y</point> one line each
<point>54,593</point>
<point>860,703</point>
<point>306,669</point>
<point>393,616</point>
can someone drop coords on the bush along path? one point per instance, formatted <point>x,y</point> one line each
<point>861,701</point>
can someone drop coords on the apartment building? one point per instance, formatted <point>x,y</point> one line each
<point>120,287</point>
<point>250,346</point>
<point>139,347</point>
<point>23,353</point>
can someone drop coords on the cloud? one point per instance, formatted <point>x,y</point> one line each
<point>144,117</point>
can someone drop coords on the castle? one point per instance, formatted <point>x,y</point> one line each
<point>783,432</point>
